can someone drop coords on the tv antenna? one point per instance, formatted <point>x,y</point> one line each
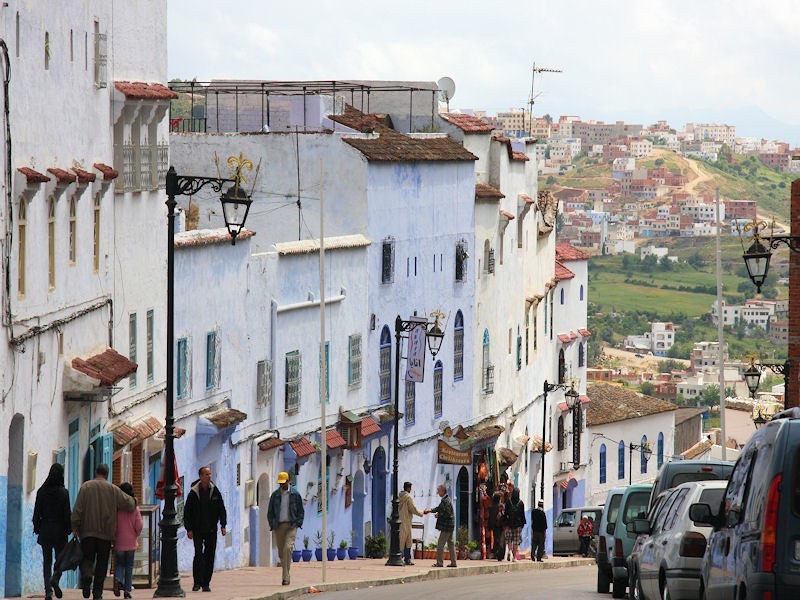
<point>447,89</point>
<point>532,97</point>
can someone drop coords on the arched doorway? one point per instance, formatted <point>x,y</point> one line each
<point>265,537</point>
<point>13,571</point>
<point>379,491</point>
<point>358,511</point>
<point>462,499</point>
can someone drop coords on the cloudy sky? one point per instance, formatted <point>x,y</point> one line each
<point>731,61</point>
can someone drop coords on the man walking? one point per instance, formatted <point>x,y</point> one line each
<point>445,523</point>
<point>538,531</point>
<point>285,515</point>
<point>94,521</point>
<point>407,511</point>
<point>203,510</point>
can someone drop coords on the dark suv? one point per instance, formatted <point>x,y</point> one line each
<point>754,547</point>
<point>674,473</point>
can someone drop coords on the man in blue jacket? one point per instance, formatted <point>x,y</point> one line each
<point>285,514</point>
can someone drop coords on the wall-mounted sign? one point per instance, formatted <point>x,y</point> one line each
<point>448,455</point>
<point>415,361</point>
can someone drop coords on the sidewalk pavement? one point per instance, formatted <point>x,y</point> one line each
<point>264,583</point>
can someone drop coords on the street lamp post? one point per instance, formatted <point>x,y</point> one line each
<point>647,454</point>
<point>434,335</point>
<point>234,201</point>
<point>572,398</point>
<point>752,376</point>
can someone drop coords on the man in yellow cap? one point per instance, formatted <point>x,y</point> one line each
<point>285,514</point>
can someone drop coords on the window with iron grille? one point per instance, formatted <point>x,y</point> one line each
<point>212,360</point>
<point>461,261</point>
<point>410,402</point>
<point>387,261</point>
<point>621,460</point>
<point>183,369</point>
<point>490,262</point>
<point>354,360</point>
<point>458,347</point>
<point>488,380</point>
<point>263,382</point>
<point>132,346</point>
<point>293,368</point>
<point>162,163</point>
<point>100,57</point>
<point>580,355</point>
<point>386,365</point>
<point>150,354</point>
<point>437,389</point>
<point>147,166</point>
<point>562,367</point>
<point>519,350</point>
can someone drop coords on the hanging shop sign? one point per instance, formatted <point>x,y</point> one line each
<point>415,361</point>
<point>448,455</point>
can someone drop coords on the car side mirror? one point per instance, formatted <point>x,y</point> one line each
<point>610,528</point>
<point>639,527</point>
<point>701,514</point>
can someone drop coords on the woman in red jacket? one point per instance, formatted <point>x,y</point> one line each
<point>129,526</point>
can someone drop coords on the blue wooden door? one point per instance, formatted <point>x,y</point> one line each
<point>358,511</point>
<point>379,491</point>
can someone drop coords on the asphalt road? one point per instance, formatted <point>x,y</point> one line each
<point>573,583</point>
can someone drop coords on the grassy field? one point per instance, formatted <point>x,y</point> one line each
<point>611,295</point>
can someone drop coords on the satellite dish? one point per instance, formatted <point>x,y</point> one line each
<point>447,89</point>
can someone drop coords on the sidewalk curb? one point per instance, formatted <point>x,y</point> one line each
<point>433,573</point>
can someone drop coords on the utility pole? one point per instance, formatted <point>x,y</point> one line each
<point>533,96</point>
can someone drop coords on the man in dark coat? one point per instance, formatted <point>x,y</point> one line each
<point>51,522</point>
<point>446,524</point>
<point>538,531</point>
<point>203,510</point>
<point>285,515</point>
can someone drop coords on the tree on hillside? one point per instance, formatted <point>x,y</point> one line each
<point>697,260</point>
<point>548,118</point>
<point>667,366</point>
<point>647,388</point>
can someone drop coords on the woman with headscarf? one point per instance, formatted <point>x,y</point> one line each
<point>515,517</point>
<point>129,527</point>
<point>51,523</point>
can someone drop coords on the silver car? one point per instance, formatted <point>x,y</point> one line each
<point>670,557</point>
<point>565,530</point>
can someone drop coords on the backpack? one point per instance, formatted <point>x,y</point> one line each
<point>516,516</point>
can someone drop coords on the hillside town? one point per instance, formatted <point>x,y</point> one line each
<point>321,335</point>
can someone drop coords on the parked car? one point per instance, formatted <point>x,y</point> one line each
<point>674,473</point>
<point>633,557</point>
<point>633,505</point>
<point>754,548</point>
<point>605,538</point>
<point>672,546</point>
<point>565,529</point>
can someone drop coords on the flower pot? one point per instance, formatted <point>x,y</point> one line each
<point>331,554</point>
<point>475,555</point>
<point>341,553</point>
<point>307,554</point>
<point>352,552</point>
<point>297,555</point>
<point>418,554</point>
<point>429,554</point>
<point>318,554</point>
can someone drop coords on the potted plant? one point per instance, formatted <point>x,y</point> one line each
<point>429,551</point>
<point>461,543</point>
<point>318,544</point>
<point>352,551</point>
<point>306,553</point>
<point>331,550</point>
<point>341,551</point>
<point>296,555</point>
<point>474,552</point>
<point>375,546</point>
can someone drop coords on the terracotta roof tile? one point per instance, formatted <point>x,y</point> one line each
<point>302,447</point>
<point>369,427</point>
<point>698,449</point>
<point>138,90</point>
<point>566,251</point>
<point>612,403</point>
<point>563,272</point>
<point>584,332</point>
<point>207,237</point>
<point>148,427</point>
<point>512,154</point>
<point>484,190</point>
<point>108,366</point>
<point>84,176</point>
<point>33,176</point>
<point>334,439</point>
<point>467,123</point>
<point>62,176</point>
<point>109,173</point>
<point>225,417</point>
<point>564,338</point>
<point>520,156</point>
<point>270,444</point>
<point>507,214</point>
<point>573,335</point>
<point>124,434</point>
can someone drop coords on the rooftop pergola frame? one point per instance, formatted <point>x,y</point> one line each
<point>353,92</point>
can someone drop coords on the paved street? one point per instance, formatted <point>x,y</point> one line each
<point>575,583</point>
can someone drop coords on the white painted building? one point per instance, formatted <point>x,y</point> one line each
<point>755,312</point>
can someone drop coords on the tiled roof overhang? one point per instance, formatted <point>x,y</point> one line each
<point>302,447</point>
<point>138,90</point>
<point>108,367</point>
<point>33,176</point>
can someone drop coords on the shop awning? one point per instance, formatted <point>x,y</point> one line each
<point>369,427</point>
<point>302,447</point>
<point>334,439</point>
<point>269,444</point>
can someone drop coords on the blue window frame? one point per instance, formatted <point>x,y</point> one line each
<point>660,453</point>
<point>602,463</point>
<point>385,354</point>
<point>562,295</point>
<point>211,360</point>
<point>621,461</point>
<point>182,368</point>
<point>642,455</point>
<point>580,294</point>
<point>458,347</point>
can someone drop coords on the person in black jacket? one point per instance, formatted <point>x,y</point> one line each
<point>51,522</point>
<point>515,521</point>
<point>203,510</point>
<point>446,524</point>
<point>538,531</point>
<point>496,526</point>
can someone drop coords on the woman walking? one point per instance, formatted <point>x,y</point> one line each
<point>51,523</point>
<point>515,517</point>
<point>129,526</point>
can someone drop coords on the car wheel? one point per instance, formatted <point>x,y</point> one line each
<point>665,592</point>
<point>618,588</point>
<point>602,582</point>
<point>635,586</point>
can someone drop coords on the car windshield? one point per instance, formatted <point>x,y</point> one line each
<point>636,507</point>
<point>713,497</point>
<point>719,472</point>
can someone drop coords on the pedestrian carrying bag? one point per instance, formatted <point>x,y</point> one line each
<point>70,557</point>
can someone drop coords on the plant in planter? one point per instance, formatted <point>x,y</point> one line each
<point>296,554</point>
<point>306,552</point>
<point>318,546</point>
<point>375,546</point>
<point>429,551</point>
<point>331,550</point>
<point>473,551</point>
<point>352,551</point>
<point>461,543</point>
<point>341,551</point>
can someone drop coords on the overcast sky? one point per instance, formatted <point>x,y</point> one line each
<point>730,61</point>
